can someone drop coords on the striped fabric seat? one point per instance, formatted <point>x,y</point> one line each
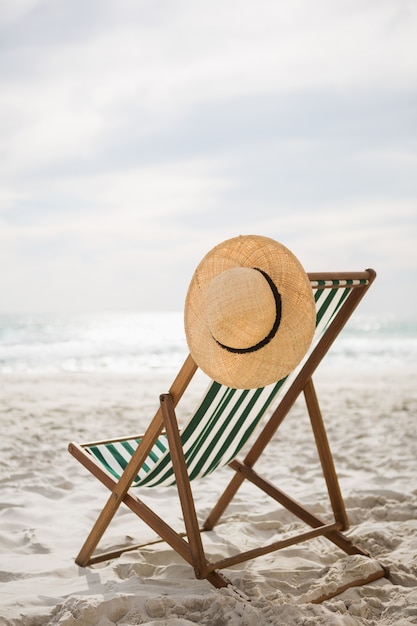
<point>225,417</point>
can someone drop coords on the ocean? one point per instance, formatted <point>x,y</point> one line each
<point>132,343</point>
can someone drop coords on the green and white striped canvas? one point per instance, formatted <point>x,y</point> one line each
<point>225,418</point>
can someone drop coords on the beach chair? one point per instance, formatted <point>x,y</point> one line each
<point>221,425</point>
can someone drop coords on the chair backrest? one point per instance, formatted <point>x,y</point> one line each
<point>225,418</point>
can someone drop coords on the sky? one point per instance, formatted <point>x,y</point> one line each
<point>136,135</point>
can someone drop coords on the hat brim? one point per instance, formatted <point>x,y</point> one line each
<point>282,354</point>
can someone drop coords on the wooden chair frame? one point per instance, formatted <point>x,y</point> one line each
<point>189,545</point>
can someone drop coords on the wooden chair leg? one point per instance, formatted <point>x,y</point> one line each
<point>199,560</point>
<point>183,486</point>
<point>120,491</point>
<point>177,389</point>
<point>325,455</point>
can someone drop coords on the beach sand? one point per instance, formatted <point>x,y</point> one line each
<point>48,503</point>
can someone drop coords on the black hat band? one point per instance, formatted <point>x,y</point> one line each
<point>274,328</point>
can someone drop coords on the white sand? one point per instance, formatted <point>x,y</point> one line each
<point>48,503</point>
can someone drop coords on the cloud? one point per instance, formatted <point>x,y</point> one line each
<point>136,136</point>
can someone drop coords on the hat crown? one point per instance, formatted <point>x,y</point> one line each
<point>240,308</point>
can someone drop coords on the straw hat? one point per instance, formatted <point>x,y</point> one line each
<point>249,312</point>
